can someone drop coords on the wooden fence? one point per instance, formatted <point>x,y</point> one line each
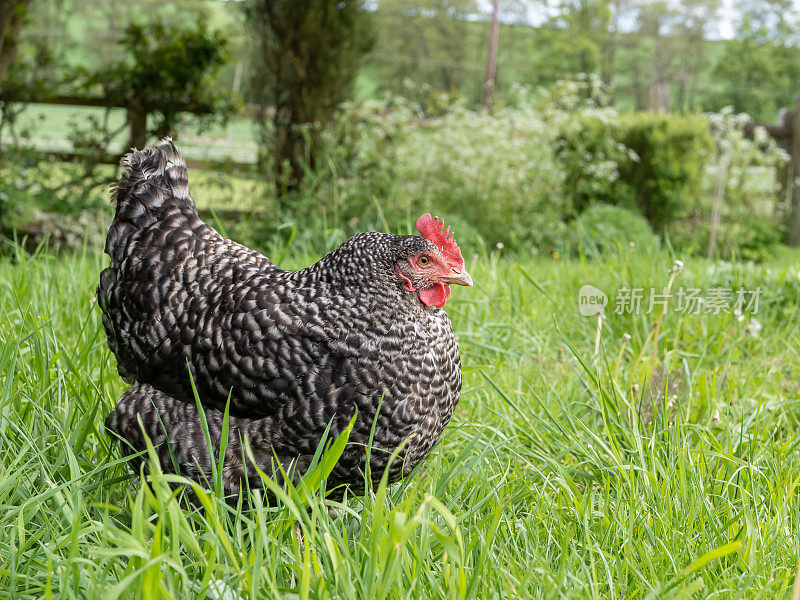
<point>137,127</point>
<point>787,134</point>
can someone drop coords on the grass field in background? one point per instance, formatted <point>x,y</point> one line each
<point>565,473</point>
<point>49,126</point>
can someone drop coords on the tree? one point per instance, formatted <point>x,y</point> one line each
<point>761,66</point>
<point>429,41</point>
<point>580,36</point>
<point>307,55</point>
<point>662,57</point>
<point>12,13</point>
<point>694,18</point>
<point>165,71</point>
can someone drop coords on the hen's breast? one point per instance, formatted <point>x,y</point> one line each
<point>429,409</point>
<point>414,362</point>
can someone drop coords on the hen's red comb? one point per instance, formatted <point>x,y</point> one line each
<point>432,229</point>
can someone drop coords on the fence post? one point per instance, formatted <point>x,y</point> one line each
<point>137,123</point>
<point>658,96</point>
<point>793,229</point>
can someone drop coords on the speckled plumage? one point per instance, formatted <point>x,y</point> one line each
<point>294,350</point>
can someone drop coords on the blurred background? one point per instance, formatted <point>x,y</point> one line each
<point>558,128</point>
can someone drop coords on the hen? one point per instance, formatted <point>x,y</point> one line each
<point>361,332</point>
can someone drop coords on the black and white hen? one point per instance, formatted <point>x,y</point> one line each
<point>294,351</point>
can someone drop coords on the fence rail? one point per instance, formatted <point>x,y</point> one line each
<point>786,133</point>
<point>113,159</point>
<point>250,111</point>
<point>136,120</point>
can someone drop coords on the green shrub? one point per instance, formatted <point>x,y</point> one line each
<point>604,229</point>
<point>669,170</point>
<point>587,139</point>
<point>495,174</point>
<point>651,163</point>
<point>168,72</point>
<point>519,175</point>
<point>591,155</point>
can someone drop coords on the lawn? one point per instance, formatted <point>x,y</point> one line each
<point>579,464</point>
<point>48,127</point>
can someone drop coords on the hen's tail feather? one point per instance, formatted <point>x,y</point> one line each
<point>153,181</point>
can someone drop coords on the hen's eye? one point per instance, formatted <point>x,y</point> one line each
<point>424,260</point>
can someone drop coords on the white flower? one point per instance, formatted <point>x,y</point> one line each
<point>753,328</point>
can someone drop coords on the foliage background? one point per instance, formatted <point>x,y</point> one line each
<point>567,131</point>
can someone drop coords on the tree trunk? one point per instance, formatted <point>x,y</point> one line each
<point>11,12</point>
<point>609,54</point>
<point>793,231</point>
<point>290,147</point>
<point>491,61</point>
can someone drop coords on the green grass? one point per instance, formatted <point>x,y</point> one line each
<point>558,477</point>
<point>48,127</point>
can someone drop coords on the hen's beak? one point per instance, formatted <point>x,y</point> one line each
<point>459,277</point>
